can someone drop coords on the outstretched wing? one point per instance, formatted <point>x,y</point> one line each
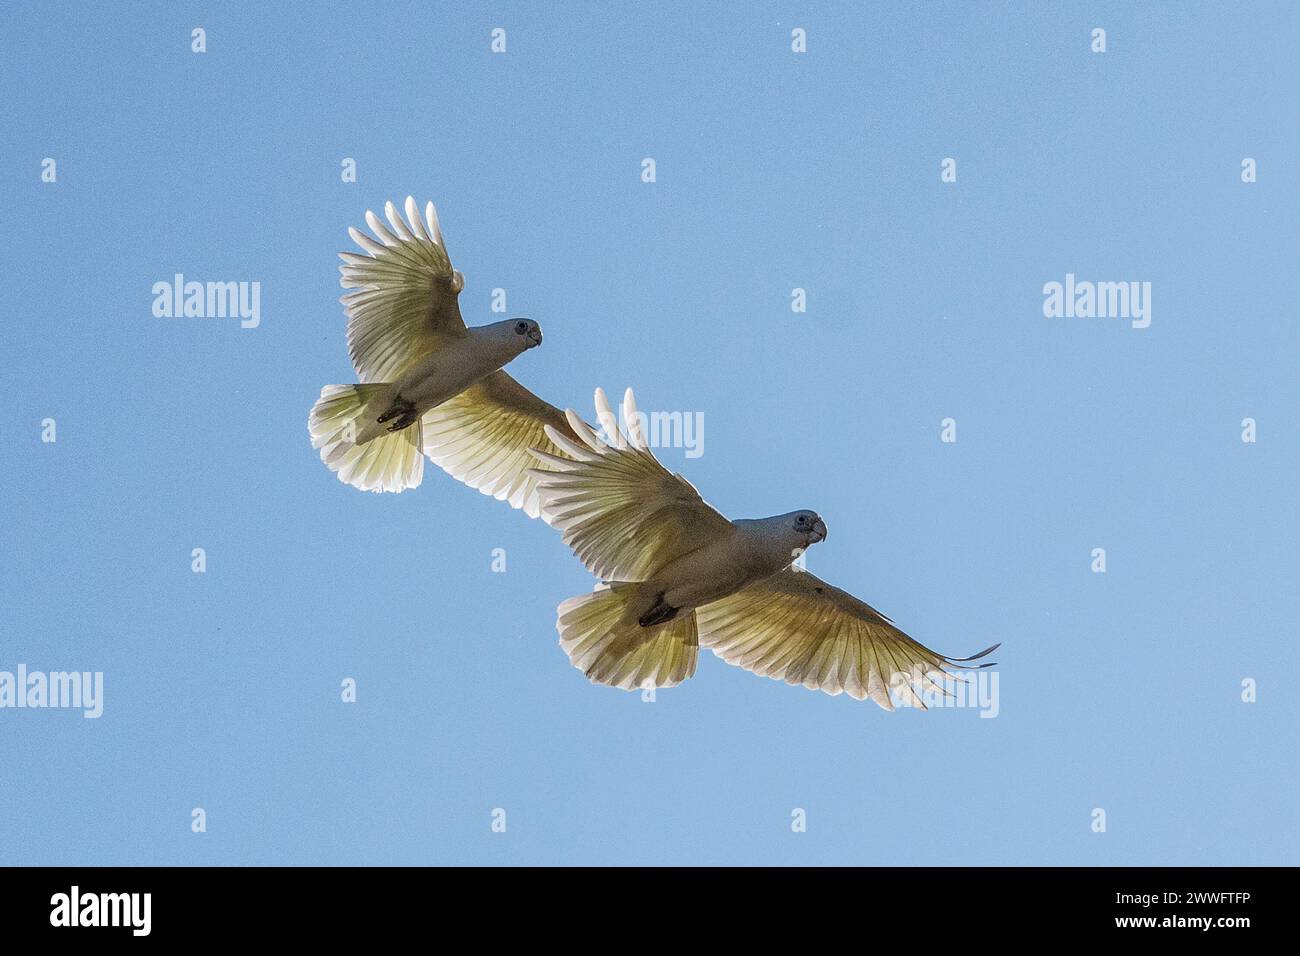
<point>482,437</point>
<point>795,627</point>
<point>624,515</point>
<point>404,292</point>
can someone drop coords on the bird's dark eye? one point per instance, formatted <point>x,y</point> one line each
<point>521,328</point>
<point>803,519</point>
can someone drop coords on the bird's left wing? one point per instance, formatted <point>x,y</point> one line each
<point>795,627</point>
<point>624,515</point>
<point>402,302</point>
<point>482,437</point>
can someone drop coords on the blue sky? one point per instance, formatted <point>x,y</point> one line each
<point>775,170</point>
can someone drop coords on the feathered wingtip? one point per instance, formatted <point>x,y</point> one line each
<point>963,663</point>
<point>957,663</point>
<point>593,445</point>
<point>398,232</point>
<point>630,434</point>
<point>909,685</point>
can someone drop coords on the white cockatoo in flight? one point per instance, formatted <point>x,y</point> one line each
<point>677,574</point>
<point>428,385</point>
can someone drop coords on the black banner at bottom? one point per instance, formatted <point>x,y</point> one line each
<point>212,905</point>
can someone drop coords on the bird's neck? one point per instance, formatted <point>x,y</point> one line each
<point>495,347</point>
<point>768,547</point>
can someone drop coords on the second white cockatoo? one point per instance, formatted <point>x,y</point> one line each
<point>676,574</point>
<point>429,386</point>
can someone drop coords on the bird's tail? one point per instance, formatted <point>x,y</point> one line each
<point>354,445</point>
<point>600,633</point>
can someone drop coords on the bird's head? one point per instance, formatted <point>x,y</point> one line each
<point>797,530</point>
<point>529,330</point>
<point>514,335</point>
<point>810,525</point>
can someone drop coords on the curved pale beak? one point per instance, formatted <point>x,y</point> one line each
<point>818,531</point>
<point>535,337</point>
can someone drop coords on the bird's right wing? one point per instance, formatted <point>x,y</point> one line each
<point>483,435</point>
<point>403,298</point>
<point>624,515</point>
<point>795,627</point>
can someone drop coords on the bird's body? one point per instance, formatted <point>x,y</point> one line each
<point>462,360</point>
<point>678,574</point>
<point>705,574</point>
<point>748,551</point>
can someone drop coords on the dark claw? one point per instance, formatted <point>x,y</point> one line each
<point>399,407</point>
<point>660,613</point>
<point>407,418</point>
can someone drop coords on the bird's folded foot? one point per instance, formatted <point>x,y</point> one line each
<point>658,614</point>
<point>402,410</point>
<point>400,406</point>
<point>403,422</point>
